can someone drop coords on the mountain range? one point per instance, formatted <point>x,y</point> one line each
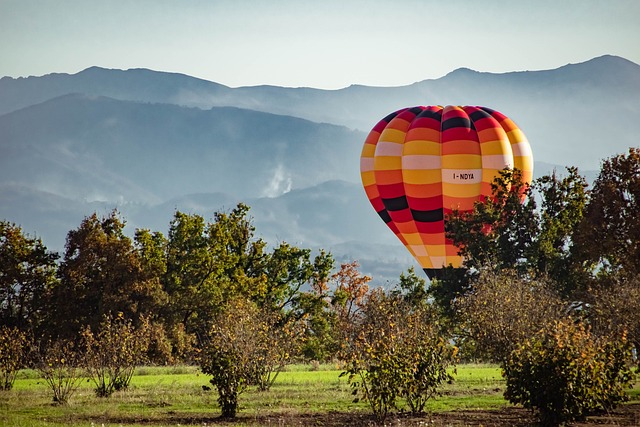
<point>149,143</point>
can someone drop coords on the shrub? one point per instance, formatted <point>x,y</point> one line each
<point>60,364</point>
<point>566,373</point>
<point>14,347</point>
<point>113,353</point>
<point>395,350</point>
<point>504,310</point>
<point>246,346</point>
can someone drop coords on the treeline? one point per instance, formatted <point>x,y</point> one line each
<point>551,275</point>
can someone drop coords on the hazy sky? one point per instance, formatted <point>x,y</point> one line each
<point>322,43</point>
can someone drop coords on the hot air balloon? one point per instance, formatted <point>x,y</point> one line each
<point>420,163</point>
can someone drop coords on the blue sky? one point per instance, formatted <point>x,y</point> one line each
<point>325,44</point>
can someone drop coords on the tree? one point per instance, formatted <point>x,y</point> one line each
<point>613,309</point>
<point>27,272</point>
<point>507,231</point>
<point>563,202</point>
<point>499,232</point>
<point>608,238</point>
<point>60,364</point>
<point>313,308</point>
<point>207,264</point>
<point>351,288</point>
<point>412,289</point>
<point>101,275</point>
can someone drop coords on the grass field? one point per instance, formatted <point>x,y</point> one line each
<point>174,396</point>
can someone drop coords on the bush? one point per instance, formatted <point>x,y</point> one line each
<point>566,373</point>
<point>113,353</point>
<point>60,364</point>
<point>396,350</point>
<point>14,348</point>
<point>246,346</point>
<point>504,310</point>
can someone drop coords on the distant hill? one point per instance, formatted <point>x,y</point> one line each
<point>149,143</point>
<point>560,110</point>
<point>97,148</point>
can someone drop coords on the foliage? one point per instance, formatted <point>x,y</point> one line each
<point>562,206</point>
<point>393,351</point>
<point>206,264</point>
<point>14,352</point>
<point>613,308</point>
<point>504,310</point>
<point>60,364</point>
<point>566,373</point>
<point>113,353</point>
<point>412,289</point>
<point>27,271</point>
<point>609,235</point>
<point>499,231</point>
<point>313,308</point>
<point>101,275</point>
<point>246,345</point>
<point>351,288</point>
<point>509,231</point>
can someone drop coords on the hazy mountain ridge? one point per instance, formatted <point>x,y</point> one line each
<point>559,109</point>
<point>97,148</point>
<point>149,143</point>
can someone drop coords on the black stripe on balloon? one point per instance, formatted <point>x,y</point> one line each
<point>428,216</point>
<point>391,116</point>
<point>416,110</point>
<point>479,114</point>
<point>384,214</point>
<point>434,273</point>
<point>396,204</point>
<point>456,122</point>
<point>488,110</point>
<point>430,114</point>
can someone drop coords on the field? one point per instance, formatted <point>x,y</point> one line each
<point>175,396</point>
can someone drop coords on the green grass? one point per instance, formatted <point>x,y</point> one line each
<point>174,395</point>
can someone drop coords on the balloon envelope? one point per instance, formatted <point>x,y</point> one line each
<point>420,163</point>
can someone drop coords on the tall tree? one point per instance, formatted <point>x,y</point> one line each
<point>208,263</point>
<point>562,206</point>
<point>609,236</point>
<point>27,272</point>
<point>499,232</point>
<point>101,274</point>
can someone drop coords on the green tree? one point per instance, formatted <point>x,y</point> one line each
<point>563,202</point>
<point>500,230</point>
<point>412,289</point>
<point>27,273</point>
<point>207,264</point>
<point>508,231</point>
<point>101,275</point>
<point>313,308</point>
